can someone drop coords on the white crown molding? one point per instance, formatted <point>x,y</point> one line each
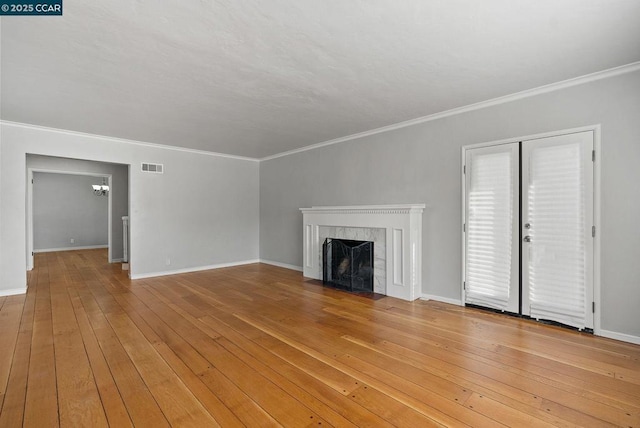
<point>612,72</point>
<point>125,141</point>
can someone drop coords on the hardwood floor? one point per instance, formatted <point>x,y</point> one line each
<point>260,346</point>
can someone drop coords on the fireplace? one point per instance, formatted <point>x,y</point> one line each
<point>348,264</point>
<point>395,229</point>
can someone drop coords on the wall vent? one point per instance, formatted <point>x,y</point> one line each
<point>158,168</point>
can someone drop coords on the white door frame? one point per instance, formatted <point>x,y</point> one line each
<point>29,225</point>
<point>596,207</point>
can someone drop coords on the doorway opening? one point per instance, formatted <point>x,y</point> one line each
<point>70,213</point>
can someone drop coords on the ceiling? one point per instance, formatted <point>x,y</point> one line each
<point>256,78</point>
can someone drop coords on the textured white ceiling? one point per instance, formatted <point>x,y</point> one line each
<point>260,77</point>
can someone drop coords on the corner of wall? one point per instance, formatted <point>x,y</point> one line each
<point>13,291</point>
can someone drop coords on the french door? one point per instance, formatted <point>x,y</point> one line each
<point>492,240</point>
<point>528,228</point>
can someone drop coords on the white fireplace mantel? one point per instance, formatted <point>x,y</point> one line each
<point>403,250</point>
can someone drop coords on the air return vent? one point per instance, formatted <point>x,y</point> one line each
<point>152,167</point>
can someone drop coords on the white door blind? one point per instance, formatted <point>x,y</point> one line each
<point>489,271</point>
<point>557,252</point>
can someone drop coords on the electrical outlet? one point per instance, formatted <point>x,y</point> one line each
<point>72,241</point>
<point>168,261</point>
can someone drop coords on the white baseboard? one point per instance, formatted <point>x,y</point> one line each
<point>604,333</point>
<point>89,247</point>
<point>457,302</point>
<point>13,291</point>
<point>282,265</point>
<point>619,336</point>
<point>192,269</point>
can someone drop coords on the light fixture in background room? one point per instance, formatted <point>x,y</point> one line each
<point>101,189</point>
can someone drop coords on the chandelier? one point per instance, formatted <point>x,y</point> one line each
<point>101,189</point>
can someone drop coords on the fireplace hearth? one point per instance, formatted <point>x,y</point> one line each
<point>348,264</point>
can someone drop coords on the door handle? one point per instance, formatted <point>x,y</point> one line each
<point>527,238</point>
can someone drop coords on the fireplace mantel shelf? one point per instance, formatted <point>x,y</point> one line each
<point>367,209</point>
<point>403,231</point>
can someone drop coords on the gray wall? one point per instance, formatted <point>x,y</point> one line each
<point>203,211</point>
<point>65,208</point>
<point>119,191</point>
<point>421,164</point>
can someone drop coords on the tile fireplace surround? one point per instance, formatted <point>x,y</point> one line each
<point>402,249</point>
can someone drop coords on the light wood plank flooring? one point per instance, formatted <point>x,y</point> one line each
<point>260,346</point>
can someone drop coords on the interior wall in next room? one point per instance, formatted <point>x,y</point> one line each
<point>66,212</point>
<point>119,191</point>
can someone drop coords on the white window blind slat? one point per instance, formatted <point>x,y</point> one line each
<point>556,207</point>
<point>489,252</point>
